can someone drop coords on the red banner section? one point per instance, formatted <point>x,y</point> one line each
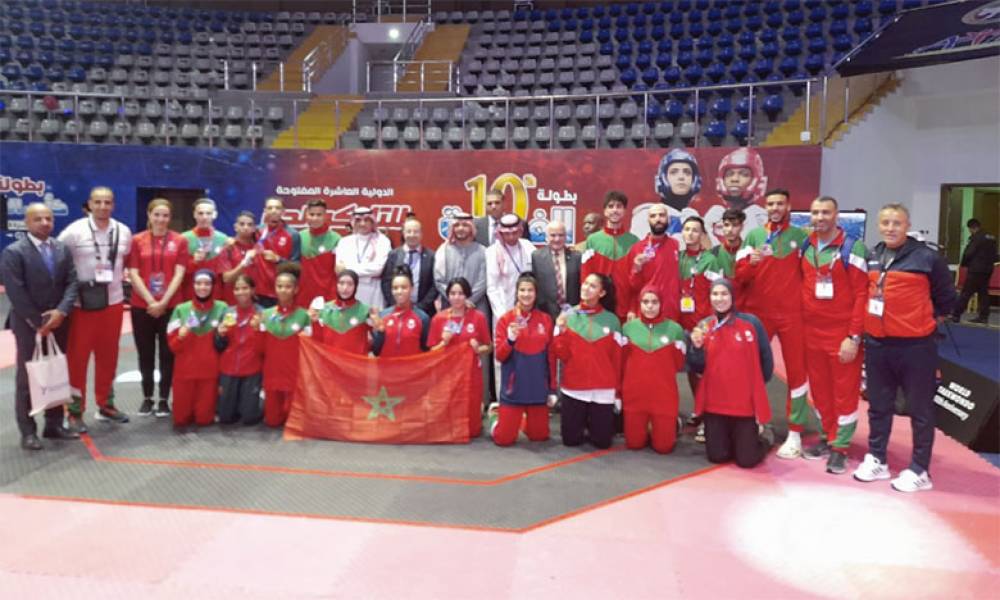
<point>544,185</point>
<point>419,399</point>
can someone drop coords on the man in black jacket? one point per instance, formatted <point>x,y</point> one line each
<point>40,281</point>
<point>978,258</point>
<point>420,260</point>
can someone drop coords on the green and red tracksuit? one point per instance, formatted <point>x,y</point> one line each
<point>606,252</point>
<point>240,367</point>
<point>654,354</point>
<point>282,241</point>
<point>343,324</point>
<point>772,291</point>
<point>319,264</point>
<point>212,242</point>
<point>658,273</point>
<point>196,361</point>
<point>908,288</point>
<point>590,351</point>
<point>280,327</point>
<point>471,325</point>
<point>834,296</point>
<point>232,256</point>
<point>527,375</point>
<point>725,263</point>
<point>697,272</point>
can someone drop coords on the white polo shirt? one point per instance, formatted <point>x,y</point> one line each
<point>86,242</point>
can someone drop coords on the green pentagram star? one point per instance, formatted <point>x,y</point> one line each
<point>382,404</point>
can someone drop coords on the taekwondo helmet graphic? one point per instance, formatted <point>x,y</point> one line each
<point>662,184</point>
<point>741,158</point>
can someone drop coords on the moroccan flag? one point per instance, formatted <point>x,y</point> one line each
<point>420,399</point>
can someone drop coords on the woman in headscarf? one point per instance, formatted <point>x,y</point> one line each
<point>732,351</point>
<point>343,321</point>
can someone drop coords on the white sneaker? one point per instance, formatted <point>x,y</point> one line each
<point>871,469</point>
<point>908,481</point>
<point>791,449</point>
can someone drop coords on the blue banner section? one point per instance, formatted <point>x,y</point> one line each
<point>931,35</point>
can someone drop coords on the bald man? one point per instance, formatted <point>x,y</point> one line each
<point>41,284</point>
<point>653,261</point>
<point>557,267</point>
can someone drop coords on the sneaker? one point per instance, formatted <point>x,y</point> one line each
<point>112,414</point>
<point>75,423</point>
<point>162,409</point>
<point>836,464</point>
<point>693,420</point>
<point>908,481</point>
<point>791,449</point>
<point>818,451</point>
<point>146,410</point>
<point>699,436</point>
<point>872,469</point>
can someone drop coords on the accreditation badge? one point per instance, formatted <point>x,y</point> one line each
<point>157,284</point>
<point>687,304</point>
<point>824,287</point>
<point>876,306</point>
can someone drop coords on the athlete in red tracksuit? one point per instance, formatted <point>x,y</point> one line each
<point>401,330</point>
<point>236,258</point>
<point>240,362</point>
<point>191,336</point>
<point>588,340</point>
<point>280,328</point>
<point>276,244</point>
<point>834,294</point>
<point>653,262</point>
<point>768,273</point>
<point>343,321</point>
<point>205,246</point>
<point>318,244</point>
<point>607,251</point>
<point>654,354</point>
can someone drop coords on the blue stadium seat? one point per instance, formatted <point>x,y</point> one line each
<point>811,4</point>
<point>715,132</point>
<point>685,45</point>
<point>743,107</point>
<point>725,55</point>
<point>732,10</point>
<point>887,7</point>
<point>586,24</point>
<point>650,75</point>
<point>11,71</point>
<point>725,40</point>
<point>813,31</point>
<point>621,34</point>
<point>775,80</point>
<point>631,8</point>
<point>621,22</point>
<point>657,33</point>
<point>763,67</point>
<point>583,13</point>
<point>727,92</point>
<point>843,42</point>
<point>696,29</point>
<point>665,45</point>
<point>696,111</point>
<point>599,11</point>
<point>692,75</point>
<point>815,63</point>
<point>676,31</point>
<point>639,21</point>
<point>793,48</point>
<point>721,107</point>
<point>76,74</point>
<point>648,8</point>
<point>639,34</point>
<point>863,8</point>
<point>625,48</point>
<point>715,72</point>
<point>623,61</point>
<point>768,36</point>
<point>788,66</point>
<point>554,26</point>
<point>566,13</point>
<point>838,27</point>
<point>604,23</point>
<point>672,75</point>
<point>817,15</point>
<point>25,42</point>
<point>664,60</point>
<point>817,46</point>
<point>769,50</point>
<point>604,36</point>
<point>747,38</point>
<point>628,76</point>
<point>840,11</point>
<point>55,74</point>
<point>714,28</point>
<point>673,110</point>
<point>738,70</point>
<point>705,43</point>
<point>754,23</point>
<point>863,27</point>
<point>748,52</point>
<point>34,73</point>
<point>684,59</point>
<point>646,47</point>
<point>47,44</point>
<point>643,61</point>
<point>586,37</point>
<point>773,105</point>
<point>705,58</point>
<point>45,58</point>
<point>795,17</point>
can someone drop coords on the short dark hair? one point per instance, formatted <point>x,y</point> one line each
<point>247,214</point>
<point>697,219</point>
<point>828,199</point>
<point>403,271</point>
<point>289,268</point>
<point>615,196</point>
<point>973,223</point>
<point>245,279</point>
<point>495,192</point>
<point>461,282</point>
<point>734,214</point>
<point>778,192</point>
<point>316,203</point>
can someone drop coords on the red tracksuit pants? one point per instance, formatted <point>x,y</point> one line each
<point>536,417</point>
<point>788,328</point>
<point>640,426</point>
<point>277,405</point>
<point>97,333</point>
<point>835,389</point>
<point>194,401</point>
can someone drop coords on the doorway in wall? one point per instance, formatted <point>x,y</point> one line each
<point>183,200</point>
<point>961,202</point>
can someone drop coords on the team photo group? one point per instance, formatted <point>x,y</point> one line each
<point>596,331</point>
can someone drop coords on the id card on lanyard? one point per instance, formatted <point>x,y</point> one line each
<point>876,304</point>
<point>768,249</point>
<point>687,295</point>
<point>824,279</point>
<point>104,266</point>
<point>158,277</point>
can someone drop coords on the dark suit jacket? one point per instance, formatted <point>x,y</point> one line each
<point>545,272</point>
<point>483,234</point>
<point>29,286</point>
<point>980,253</point>
<point>426,292</point>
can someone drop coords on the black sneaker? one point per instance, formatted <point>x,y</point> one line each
<point>75,423</point>
<point>146,410</point>
<point>817,451</point>
<point>112,414</point>
<point>162,409</point>
<point>837,463</point>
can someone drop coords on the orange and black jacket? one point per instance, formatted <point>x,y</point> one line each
<point>915,286</point>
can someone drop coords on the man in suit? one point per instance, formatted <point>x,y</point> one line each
<point>40,280</point>
<point>978,259</point>
<point>557,268</point>
<point>420,260</point>
<point>486,227</point>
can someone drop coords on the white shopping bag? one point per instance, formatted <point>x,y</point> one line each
<point>48,376</point>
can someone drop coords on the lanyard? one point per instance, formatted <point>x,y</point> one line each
<point>112,244</point>
<point>461,324</point>
<point>719,324</point>
<point>883,269</point>
<point>772,236</point>
<point>152,250</point>
<point>364,250</point>
<point>511,256</point>
<point>816,253</point>
<point>399,328</point>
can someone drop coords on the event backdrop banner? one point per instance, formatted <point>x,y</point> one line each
<point>539,185</point>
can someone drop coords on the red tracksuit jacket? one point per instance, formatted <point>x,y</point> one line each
<point>827,322</point>
<point>774,285</point>
<point>735,361</point>
<point>242,356</point>
<point>195,357</point>
<point>651,359</point>
<point>590,350</point>
<point>660,273</point>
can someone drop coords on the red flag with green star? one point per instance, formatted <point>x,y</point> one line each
<point>420,399</point>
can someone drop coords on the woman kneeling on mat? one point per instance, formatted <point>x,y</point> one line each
<point>732,351</point>
<point>526,371</point>
<point>280,328</point>
<point>343,321</point>
<point>653,356</point>
<point>240,362</point>
<point>588,341</point>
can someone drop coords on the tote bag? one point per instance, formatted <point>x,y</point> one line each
<point>48,376</point>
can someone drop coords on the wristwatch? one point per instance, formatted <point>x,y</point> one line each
<point>855,338</point>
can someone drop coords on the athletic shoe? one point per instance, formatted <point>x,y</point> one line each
<point>871,469</point>
<point>836,464</point>
<point>791,449</point>
<point>75,423</point>
<point>162,409</point>
<point>817,451</point>
<point>112,414</point>
<point>908,481</point>
<point>693,420</point>
<point>699,436</point>
<point>146,410</point>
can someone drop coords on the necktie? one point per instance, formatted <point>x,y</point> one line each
<point>46,248</point>
<point>560,286</point>
<point>413,262</point>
